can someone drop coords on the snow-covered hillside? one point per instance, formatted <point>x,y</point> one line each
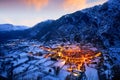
<point>10,27</point>
<point>99,25</point>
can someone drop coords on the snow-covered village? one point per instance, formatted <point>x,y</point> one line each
<point>30,59</point>
<point>60,40</point>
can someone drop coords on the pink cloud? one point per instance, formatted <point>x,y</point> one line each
<point>37,4</point>
<point>71,5</point>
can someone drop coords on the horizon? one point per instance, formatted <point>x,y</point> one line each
<point>30,12</point>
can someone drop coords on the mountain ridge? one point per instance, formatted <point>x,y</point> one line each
<point>10,27</point>
<point>99,25</point>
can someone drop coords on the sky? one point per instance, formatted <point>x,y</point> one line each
<point>31,12</point>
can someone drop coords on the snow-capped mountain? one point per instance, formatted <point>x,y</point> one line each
<point>10,27</point>
<point>98,25</point>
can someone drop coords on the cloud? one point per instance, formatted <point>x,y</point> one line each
<point>71,5</point>
<point>37,4</point>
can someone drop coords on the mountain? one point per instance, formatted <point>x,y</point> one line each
<point>10,27</point>
<point>9,31</point>
<point>24,33</point>
<point>99,25</point>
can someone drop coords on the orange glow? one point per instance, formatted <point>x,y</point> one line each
<point>98,54</point>
<point>72,5</point>
<point>37,4</point>
<point>73,56</point>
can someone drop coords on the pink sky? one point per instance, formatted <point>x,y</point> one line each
<point>30,12</point>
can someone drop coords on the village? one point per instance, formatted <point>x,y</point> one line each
<point>63,61</point>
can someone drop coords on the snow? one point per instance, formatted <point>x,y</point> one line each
<point>8,59</point>
<point>50,78</point>
<point>93,49</point>
<point>9,27</point>
<point>65,67</point>
<point>91,73</point>
<point>46,70</point>
<point>97,60</point>
<point>62,75</point>
<point>38,62</point>
<point>33,76</point>
<point>42,60</point>
<point>92,65</point>
<point>39,57</point>
<point>48,63</point>
<point>35,49</point>
<point>22,55</point>
<point>20,61</point>
<point>60,63</point>
<point>13,55</point>
<point>20,69</point>
<point>31,67</point>
<point>32,62</point>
